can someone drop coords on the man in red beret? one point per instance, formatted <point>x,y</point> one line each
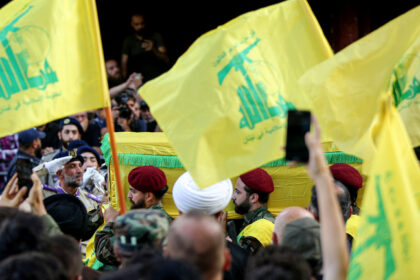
<point>250,197</point>
<point>147,186</point>
<point>351,179</point>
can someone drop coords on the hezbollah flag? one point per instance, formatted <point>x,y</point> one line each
<point>347,88</point>
<point>224,103</point>
<point>51,62</point>
<point>387,245</point>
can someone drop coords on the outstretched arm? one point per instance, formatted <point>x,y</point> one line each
<point>333,235</point>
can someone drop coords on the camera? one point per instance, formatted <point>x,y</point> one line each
<point>124,112</point>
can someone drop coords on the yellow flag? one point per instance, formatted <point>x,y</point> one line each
<point>346,89</point>
<point>51,62</point>
<point>223,105</point>
<point>387,245</point>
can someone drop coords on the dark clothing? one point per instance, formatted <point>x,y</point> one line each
<point>51,139</point>
<point>239,261</point>
<point>92,135</point>
<point>12,167</point>
<point>151,126</point>
<point>142,61</point>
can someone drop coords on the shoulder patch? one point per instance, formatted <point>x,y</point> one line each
<point>49,188</point>
<point>94,197</point>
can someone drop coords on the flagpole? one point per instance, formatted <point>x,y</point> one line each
<point>110,125</point>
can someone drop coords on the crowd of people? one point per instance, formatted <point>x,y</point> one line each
<point>45,228</point>
<point>46,225</point>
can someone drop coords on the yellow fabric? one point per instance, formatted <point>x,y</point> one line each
<point>52,62</point>
<point>388,244</point>
<point>346,89</point>
<point>261,229</point>
<point>352,225</point>
<point>224,103</point>
<point>90,259</point>
<point>292,186</point>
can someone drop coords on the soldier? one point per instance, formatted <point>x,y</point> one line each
<point>69,130</point>
<point>137,229</point>
<point>250,197</point>
<point>147,186</point>
<point>70,176</point>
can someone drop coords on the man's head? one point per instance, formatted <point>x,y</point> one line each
<point>275,262</point>
<point>21,232</point>
<point>199,239</point>
<point>69,213</point>
<point>211,200</point>
<point>138,229</point>
<point>32,266</point>
<point>71,175</point>
<point>252,190</point>
<point>147,186</point>
<point>69,130</point>
<point>90,156</point>
<point>349,177</point>
<point>112,69</point>
<point>67,251</point>
<point>286,216</point>
<point>343,199</point>
<point>30,141</point>
<point>297,229</point>
<point>138,24</point>
<point>145,112</point>
<point>83,119</point>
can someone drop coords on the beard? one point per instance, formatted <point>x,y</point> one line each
<point>38,152</point>
<point>242,208</point>
<point>71,181</point>
<point>139,205</point>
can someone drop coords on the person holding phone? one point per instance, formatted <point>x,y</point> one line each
<point>30,149</point>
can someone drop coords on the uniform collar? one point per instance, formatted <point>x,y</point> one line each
<point>60,190</point>
<point>249,217</point>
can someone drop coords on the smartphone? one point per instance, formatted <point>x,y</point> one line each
<point>24,171</point>
<point>298,124</point>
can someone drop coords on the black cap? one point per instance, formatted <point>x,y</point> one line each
<point>76,156</point>
<point>69,213</point>
<point>71,120</point>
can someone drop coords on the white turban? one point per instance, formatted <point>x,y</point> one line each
<point>211,200</point>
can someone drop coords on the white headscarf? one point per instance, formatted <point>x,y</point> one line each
<point>211,200</point>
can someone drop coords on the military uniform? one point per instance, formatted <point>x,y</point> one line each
<point>257,229</point>
<point>90,201</point>
<point>160,208</point>
<point>104,239</point>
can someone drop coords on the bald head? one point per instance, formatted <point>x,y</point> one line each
<point>286,216</point>
<point>198,239</point>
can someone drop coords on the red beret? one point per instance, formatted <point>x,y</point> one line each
<point>346,174</point>
<point>147,178</point>
<point>258,180</point>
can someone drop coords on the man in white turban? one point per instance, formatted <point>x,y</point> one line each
<point>211,200</point>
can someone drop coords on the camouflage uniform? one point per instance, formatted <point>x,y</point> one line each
<point>131,231</point>
<point>159,207</point>
<point>257,229</point>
